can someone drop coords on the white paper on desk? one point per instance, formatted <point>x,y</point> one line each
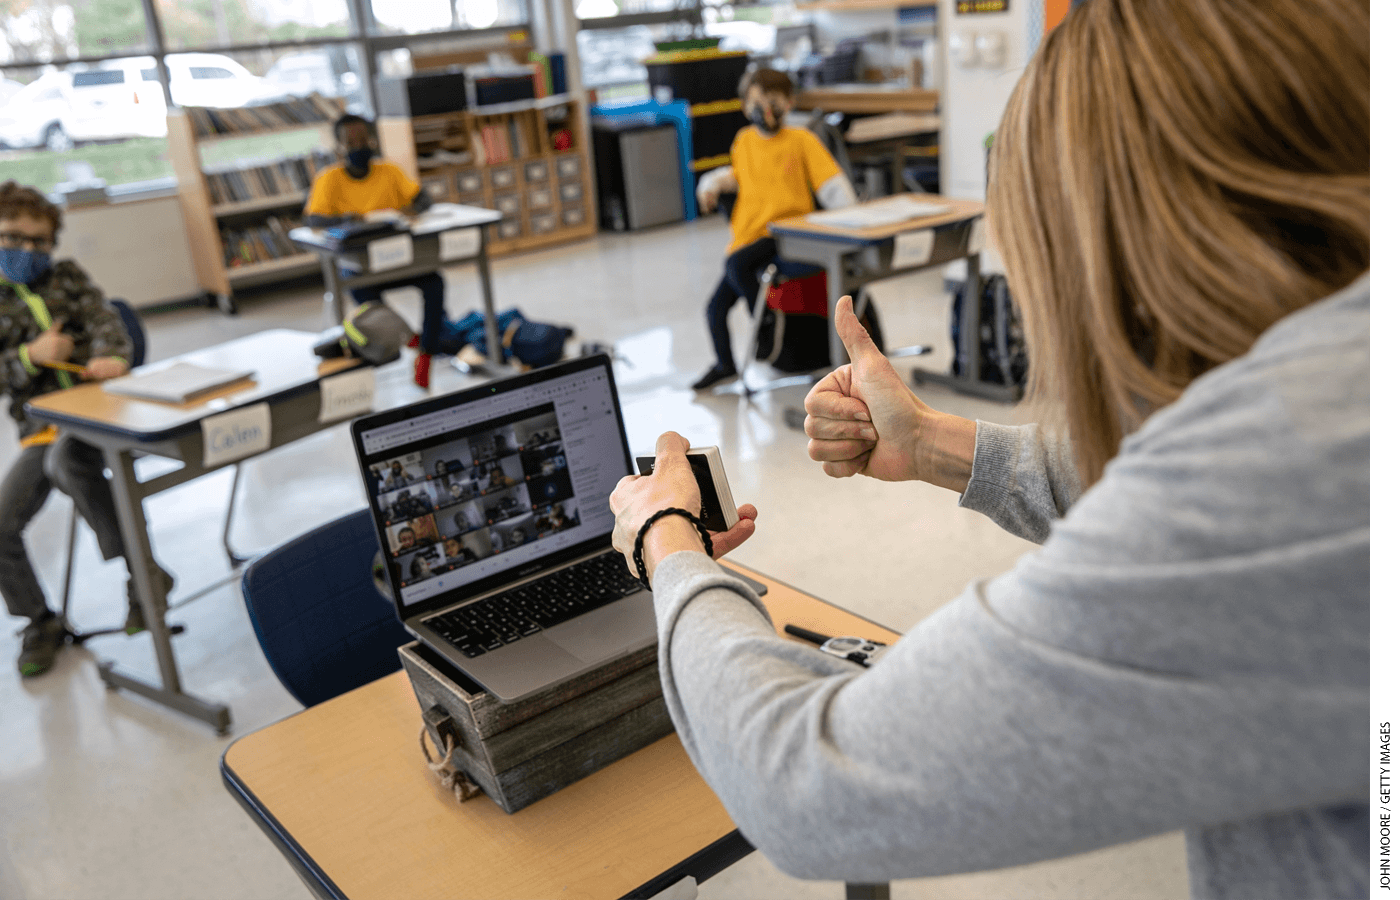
<point>978,238</point>
<point>459,243</point>
<point>912,248</point>
<point>234,435</point>
<point>878,214</point>
<point>390,252</point>
<point>347,394</point>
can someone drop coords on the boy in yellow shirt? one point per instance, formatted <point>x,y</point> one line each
<point>362,185</point>
<point>775,171</point>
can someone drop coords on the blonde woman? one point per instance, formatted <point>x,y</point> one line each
<point>1180,189</point>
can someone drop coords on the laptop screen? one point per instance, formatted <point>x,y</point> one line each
<point>488,485</point>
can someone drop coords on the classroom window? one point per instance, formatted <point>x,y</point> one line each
<point>191,24</point>
<point>54,31</point>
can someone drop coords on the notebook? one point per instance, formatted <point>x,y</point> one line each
<point>176,383</point>
<point>492,514</point>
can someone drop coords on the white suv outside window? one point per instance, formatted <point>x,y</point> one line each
<point>119,98</point>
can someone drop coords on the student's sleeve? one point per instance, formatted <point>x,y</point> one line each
<point>106,331</point>
<point>323,201</point>
<point>821,166</point>
<point>407,187</point>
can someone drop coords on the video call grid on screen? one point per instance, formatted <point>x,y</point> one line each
<point>462,504</point>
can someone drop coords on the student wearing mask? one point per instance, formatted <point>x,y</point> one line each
<point>359,185</point>
<point>51,312</point>
<point>776,171</point>
<point>1188,647</point>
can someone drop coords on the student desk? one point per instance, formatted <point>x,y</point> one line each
<point>867,99</point>
<point>343,791</point>
<point>426,232</point>
<point>855,257</point>
<point>287,377</point>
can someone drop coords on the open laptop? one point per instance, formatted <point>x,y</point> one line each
<point>492,512</point>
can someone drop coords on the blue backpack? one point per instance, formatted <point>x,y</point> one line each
<point>535,344</point>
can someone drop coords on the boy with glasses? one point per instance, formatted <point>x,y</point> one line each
<point>50,314</point>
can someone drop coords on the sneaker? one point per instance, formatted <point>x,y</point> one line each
<point>40,644</point>
<point>135,618</point>
<point>713,377</point>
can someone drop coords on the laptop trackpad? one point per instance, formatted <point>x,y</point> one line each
<point>605,633</point>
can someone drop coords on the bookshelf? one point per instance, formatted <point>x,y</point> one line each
<point>237,213</point>
<point>504,157</point>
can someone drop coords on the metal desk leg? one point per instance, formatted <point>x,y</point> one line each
<point>969,341</point>
<point>488,302</point>
<point>127,492</point>
<point>330,275</point>
<point>835,290</point>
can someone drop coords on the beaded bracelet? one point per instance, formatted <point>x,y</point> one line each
<point>642,533</point>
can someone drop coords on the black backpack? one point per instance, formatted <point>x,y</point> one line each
<point>1002,343</point>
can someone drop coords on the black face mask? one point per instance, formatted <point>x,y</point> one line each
<point>359,159</point>
<point>761,122</point>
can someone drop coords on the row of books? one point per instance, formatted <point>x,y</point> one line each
<point>287,176</point>
<point>259,243</point>
<point>252,119</point>
<point>493,144</point>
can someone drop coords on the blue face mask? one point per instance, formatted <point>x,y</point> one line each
<point>23,266</point>
<point>359,159</point>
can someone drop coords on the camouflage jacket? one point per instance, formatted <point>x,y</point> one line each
<point>94,326</point>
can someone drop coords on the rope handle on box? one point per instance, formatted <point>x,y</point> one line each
<point>462,787</point>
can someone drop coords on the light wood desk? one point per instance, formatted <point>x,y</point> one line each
<point>867,98</point>
<point>426,232</point>
<point>855,257</point>
<point>343,791</point>
<point>286,376</point>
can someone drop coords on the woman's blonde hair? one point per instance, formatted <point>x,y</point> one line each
<point>1170,178</point>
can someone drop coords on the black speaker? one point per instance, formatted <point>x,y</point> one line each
<point>422,94</point>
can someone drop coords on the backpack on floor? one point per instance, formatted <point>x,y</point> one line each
<point>534,344</point>
<point>793,337</point>
<point>1002,342</point>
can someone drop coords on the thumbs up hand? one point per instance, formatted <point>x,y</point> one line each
<point>862,418</point>
<point>52,345</point>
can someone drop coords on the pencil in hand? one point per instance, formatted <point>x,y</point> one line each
<point>65,367</point>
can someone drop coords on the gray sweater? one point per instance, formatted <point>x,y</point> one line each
<point>1187,649</point>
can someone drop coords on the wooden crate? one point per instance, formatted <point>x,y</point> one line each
<point>521,752</point>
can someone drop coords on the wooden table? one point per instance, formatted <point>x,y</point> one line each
<point>867,98</point>
<point>855,257</point>
<point>426,231</point>
<point>343,791</point>
<point>286,376</point>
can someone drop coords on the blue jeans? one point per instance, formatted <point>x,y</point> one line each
<point>742,269</point>
<point>434,292</point>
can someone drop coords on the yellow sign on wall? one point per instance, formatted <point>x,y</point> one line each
<point>983,6</point>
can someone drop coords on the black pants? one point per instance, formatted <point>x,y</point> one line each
<point>434,295</point>
<point>75,468</point>
<point>742,269</point>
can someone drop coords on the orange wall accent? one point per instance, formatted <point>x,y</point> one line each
<point>1055,12</point>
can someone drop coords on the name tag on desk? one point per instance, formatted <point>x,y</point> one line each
<point>347,394</point>
<point>233,435</point>
<point>460,243</point>
<point>390,252</point>
<point>912,248</point>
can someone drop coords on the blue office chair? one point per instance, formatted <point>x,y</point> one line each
<point>323,624</point>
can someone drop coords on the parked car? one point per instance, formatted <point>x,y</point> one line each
<point>119,98</point>
<point>326,72</point>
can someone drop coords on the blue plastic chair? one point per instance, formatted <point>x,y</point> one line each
<point>323,624</point>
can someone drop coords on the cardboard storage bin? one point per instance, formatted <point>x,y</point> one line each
<point>521,752</point>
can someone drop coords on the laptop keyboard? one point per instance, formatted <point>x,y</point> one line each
<point>496,621</point>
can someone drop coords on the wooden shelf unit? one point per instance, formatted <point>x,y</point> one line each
<point>203,216</point>
<point>545,195</point>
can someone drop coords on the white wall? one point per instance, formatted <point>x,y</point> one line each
<point>975,94</point>
<point>136,250</point>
